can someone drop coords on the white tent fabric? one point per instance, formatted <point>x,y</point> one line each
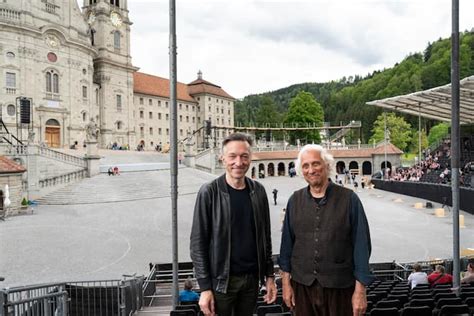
<point>434,103</point>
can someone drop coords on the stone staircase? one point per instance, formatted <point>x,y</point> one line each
<point>127,186</point>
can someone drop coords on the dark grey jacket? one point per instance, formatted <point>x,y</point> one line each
<point>211,233</point>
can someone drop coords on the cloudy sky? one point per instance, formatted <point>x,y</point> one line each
<point>253,46</point>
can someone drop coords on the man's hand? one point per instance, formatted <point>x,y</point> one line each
<point>359,300</point>
<point>288,294</point>
<point>206,303</point>
<point>271,295</point>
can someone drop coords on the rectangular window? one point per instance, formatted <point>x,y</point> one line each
<point>119,102</point>
<point>10,80</point>
<point>151,130</point>
<point>187,107</point>
<point>194,119</point>
<point>117,40</point>
<point>142,114</point>
<point>199,120</point>
<point>159,116</point>
<point>180,106</point>
<point>167,131</point>
<point>150,115</point>
<point>142,131</point>
<point>180,118</point>
<point>167,116</point>
<point>141,101</point>
<point>159,102</point>
<point>84,92</point>
<point>150,102</point>
<point>180,132</point>
<point>159,131</point>
<point>187,119</point>
<point>166,103</point>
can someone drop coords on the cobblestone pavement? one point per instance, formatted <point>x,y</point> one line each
<point>116,225</point>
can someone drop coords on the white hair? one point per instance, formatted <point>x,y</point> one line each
<point>325,156</point>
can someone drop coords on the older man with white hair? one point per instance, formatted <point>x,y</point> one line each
<point>325,245</point>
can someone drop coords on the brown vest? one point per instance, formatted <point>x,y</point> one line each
<point>323,248</point>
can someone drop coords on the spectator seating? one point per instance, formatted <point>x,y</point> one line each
<point>186,312</point>
<point>416,311</point>
<point>267,309</point>
<point>451,310</point>
<point>393,311</point>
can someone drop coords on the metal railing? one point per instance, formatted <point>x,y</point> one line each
<point>83,298</point>
<point>49,299</point>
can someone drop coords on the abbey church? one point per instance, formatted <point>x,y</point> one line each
<point>74,65</point>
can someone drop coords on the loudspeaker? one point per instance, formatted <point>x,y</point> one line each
<point>429,205</point>
<point>25,109</point>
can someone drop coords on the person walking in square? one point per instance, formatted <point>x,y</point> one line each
<point>275,195</point>
<point>230,246</point>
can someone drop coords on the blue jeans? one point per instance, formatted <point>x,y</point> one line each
<point>241,296</point>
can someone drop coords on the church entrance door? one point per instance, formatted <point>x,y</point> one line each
<point>52,133</point>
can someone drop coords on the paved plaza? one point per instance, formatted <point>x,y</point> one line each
<point>107,226</point>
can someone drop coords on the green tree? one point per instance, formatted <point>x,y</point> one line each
<point>305,111</point>
<point>437,133</point>
<point>414,141</point>
<point>399,130</point>
<point>267,112</point>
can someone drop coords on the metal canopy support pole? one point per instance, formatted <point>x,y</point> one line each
<point>385,176</point>
<point>455,134</point>
<point>419,135</point>
<point>174,150</point>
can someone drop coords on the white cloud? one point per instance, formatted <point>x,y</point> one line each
<point>252,46</point>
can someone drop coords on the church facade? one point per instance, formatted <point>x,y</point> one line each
<point>74,65</point>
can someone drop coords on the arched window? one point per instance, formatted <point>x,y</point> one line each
<point>119,125</point>
<point>52,82</point>
<point>11,110</point>
<point>55,83</point>
<point>52,122</point>
<point>117,40</point>
<point>48,82</point>
<point>84,116</point>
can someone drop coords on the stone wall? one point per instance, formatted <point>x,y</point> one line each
<point>14,181</point>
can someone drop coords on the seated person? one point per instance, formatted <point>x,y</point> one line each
<point>439,276</point>
<point>188,295</point>
<point>110,172</point>
<point>417,276</point>
<point>116,171</point>
<point>73,146</point>
<point>469,274</point>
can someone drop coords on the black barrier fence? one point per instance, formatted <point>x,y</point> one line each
<point>440,193</point>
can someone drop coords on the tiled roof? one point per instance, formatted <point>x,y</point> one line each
<point>9,166</point>
<point>160,87</point>
<point>391,149</point>
<point>336,153</point>
<point>200,86</point>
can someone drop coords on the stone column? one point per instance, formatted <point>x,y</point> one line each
<point>92,158</point>
<point>32,172</point>
<point>189,155</point>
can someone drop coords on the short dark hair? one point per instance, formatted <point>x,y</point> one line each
<point>188,284</point>
<point>417,267</point>
<point>237,137</point>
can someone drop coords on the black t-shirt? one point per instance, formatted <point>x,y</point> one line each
<point>243,253</point>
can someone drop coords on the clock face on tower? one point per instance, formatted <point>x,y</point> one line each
<point>116,19</point>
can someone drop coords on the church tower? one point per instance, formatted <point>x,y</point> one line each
<point>113,70</point>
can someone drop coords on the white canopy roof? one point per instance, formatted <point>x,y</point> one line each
<point>434,103</point>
